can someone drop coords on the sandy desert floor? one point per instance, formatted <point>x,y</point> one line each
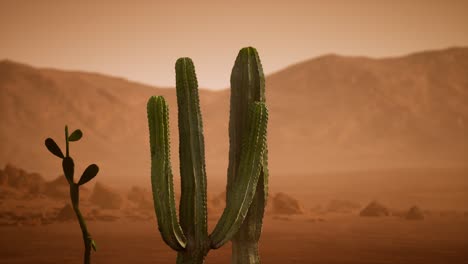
<point>339,239</point>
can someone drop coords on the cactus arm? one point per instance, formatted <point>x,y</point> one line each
<point>193,208</point>
<point>249,170</point>
<point>161,174</point>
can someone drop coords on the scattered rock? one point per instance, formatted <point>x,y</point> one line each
<point>218,202</point>
<point>58,188</point>
<point>414,213</point>
<point>375,209</point>
<point>107,218</point>
<point>66,214</point>
<point>286,205</point>
<point>3,178</point>
<point>141,197</point>
<point>7,193</point>
<point>105,197</point>
<point>99,215</point>
<point>32,183</point>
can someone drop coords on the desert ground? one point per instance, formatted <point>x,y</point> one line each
<point>345,239</point>
<point>399,221</point>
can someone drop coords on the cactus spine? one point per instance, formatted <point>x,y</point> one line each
<point>190,238</point>
<point>90,172</point>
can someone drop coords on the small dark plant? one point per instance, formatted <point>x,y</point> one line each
<point>68,170</point>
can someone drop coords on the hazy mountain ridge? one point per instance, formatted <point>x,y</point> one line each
<point>329,113</point>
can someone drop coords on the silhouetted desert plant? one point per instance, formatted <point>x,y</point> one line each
<point>246,193</point>
<point>68,167</point>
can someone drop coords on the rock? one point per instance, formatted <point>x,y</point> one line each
<point>3,178</point>
<point>58,189</point>
<point>107,216</point>
<point>217,204</point>
<point>414,213</point>
<point>105,197</point>
<point>19,179</point>
<point>141,197</point>
<point>8,193</point>
<point>66,214</point>
<point>375,209</point>
<point>286,205</point>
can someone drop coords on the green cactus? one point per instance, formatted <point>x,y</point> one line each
<point>247,86</point>
<point>68,169</point>
<point>247,166</point>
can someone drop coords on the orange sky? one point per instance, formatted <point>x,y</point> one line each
<point>140,40</point>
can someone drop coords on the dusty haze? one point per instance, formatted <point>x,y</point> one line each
<point>336,123</point>
<point>140,41</point>
<point>367,138</point>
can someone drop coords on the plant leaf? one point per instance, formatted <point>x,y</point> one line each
<point>75,136</point>
<point>90,172</point>
<point>68,169</point>
<point>54,148</point>
<point>93,245</point>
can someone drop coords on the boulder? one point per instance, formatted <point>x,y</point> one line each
<point>284,204</point>
<point>58,188</point>
<point>217,204</point>
<point>105,197</point>
<point>414,213</point>
<point>19,179</point>
<point>3,178</point>
<point>375,209</point>
<point>66,213</point>
<point>141,197</point>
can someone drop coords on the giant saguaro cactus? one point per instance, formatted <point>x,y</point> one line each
<point>247,165</point>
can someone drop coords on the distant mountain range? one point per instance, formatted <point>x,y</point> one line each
<point>331,113</point>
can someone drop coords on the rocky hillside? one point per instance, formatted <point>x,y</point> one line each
<point>331,113</point>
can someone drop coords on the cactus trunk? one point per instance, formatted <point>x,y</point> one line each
<point>187,257</point>
<point>247,86</point>
<point>75,197</point>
